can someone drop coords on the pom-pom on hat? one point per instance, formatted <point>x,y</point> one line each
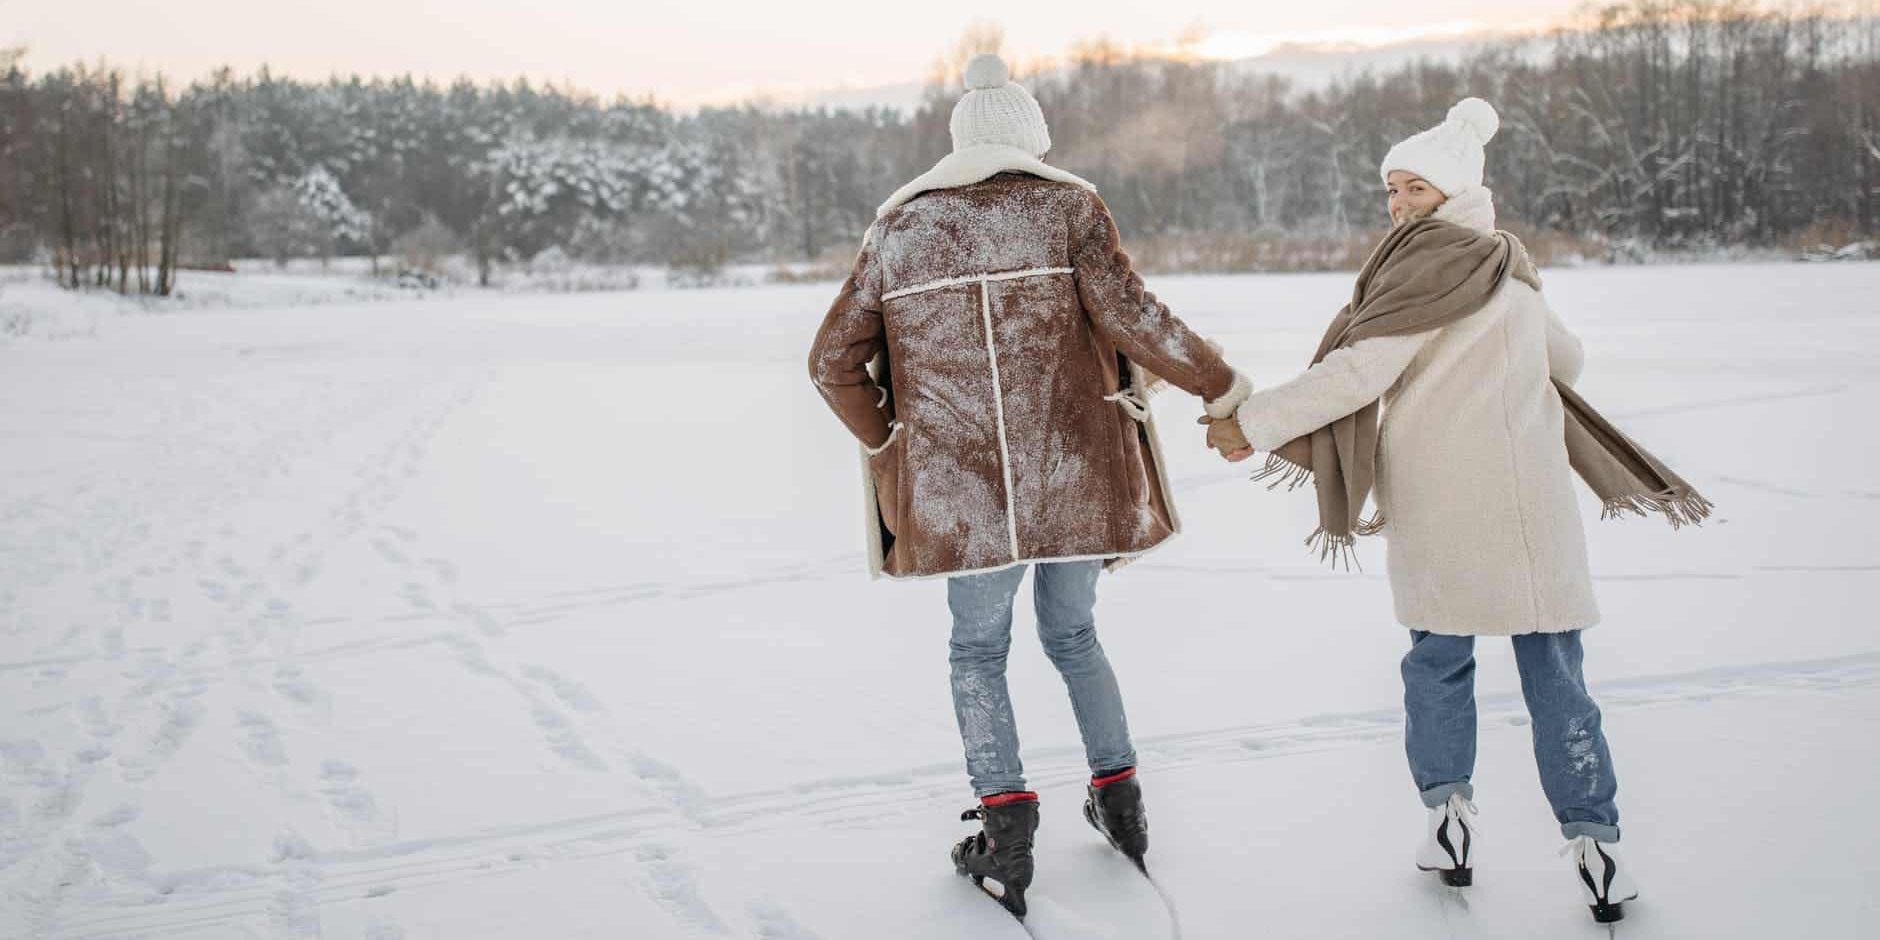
<point>997,110</point>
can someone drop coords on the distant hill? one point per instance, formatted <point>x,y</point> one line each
<point>1309,65</point>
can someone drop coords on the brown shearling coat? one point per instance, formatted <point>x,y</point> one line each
<point>989,351</point>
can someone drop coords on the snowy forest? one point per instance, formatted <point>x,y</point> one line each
<point>1650,126</point>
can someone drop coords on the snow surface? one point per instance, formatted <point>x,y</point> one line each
<point>499,616</point>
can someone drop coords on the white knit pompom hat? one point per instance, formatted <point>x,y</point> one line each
<point>1449,155</point>
<point>997,110</point>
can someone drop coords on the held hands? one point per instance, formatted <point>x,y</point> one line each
<point>1225,437</point>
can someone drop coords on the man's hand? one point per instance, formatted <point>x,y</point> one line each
<point>1225,437</point>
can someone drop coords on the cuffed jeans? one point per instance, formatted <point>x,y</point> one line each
<point>1569,746</point>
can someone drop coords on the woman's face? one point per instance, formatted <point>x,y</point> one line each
<point>1411,196</point>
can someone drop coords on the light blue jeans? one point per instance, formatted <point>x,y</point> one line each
<point>1065,594</point>
<point>1569,746</point>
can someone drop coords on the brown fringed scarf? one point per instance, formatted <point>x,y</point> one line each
<point>1425,275</point>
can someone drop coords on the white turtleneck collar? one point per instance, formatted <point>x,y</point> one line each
<point>1471,208</point>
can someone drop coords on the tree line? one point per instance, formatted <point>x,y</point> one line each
<point>1651,124</point>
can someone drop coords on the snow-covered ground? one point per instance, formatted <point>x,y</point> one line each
<point>507,616</point>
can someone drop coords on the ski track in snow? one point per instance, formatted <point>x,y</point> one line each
<point>428,602</point>
<point>163,555</point>
<point>110,545</point>
<point>261,643</point>
<point>162,902</point>
<point>136,901</point>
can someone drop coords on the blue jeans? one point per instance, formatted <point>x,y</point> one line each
<point>1065,594</point>
<point>1569,747</point>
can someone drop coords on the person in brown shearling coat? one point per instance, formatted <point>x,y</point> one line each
<point>992,351</point>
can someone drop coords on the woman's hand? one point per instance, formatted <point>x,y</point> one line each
<point>1225,437</point>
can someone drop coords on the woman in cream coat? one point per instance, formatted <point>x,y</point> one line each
<point>1481,520</point>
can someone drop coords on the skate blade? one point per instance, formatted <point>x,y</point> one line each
<point>1010,898</point>
<point>1608,913</point>
<point>1453,877</point>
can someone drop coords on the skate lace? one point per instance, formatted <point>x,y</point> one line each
<point>977,812</point>
<point>1576,848</point>
<point>1459,804</point>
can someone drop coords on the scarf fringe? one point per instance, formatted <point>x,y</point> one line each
<point>1679,509</point>
<point>1280,472</point>
<point>1339,550</point>
<point>1335,549</point>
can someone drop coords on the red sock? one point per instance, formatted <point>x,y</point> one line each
<point>1016,796</point>
<point>1124,774</point>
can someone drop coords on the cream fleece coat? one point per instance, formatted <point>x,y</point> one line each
<point>1482,524</point>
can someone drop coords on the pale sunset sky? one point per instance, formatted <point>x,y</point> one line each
<point>686,52</point>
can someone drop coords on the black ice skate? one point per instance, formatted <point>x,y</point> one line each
<point>1113,806</point>
<point>998,857</point>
